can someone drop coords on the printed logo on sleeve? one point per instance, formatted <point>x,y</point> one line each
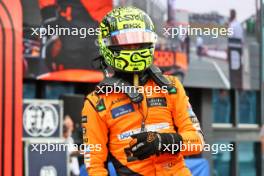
<point>84,119</point>
<point>84,130</point>
<point>85,140</point>
<point>87,157</point>
<point>190,110</point>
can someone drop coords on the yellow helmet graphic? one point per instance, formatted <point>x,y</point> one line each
<point>126,40</point>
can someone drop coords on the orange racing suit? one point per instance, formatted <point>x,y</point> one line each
<point>109,120</point>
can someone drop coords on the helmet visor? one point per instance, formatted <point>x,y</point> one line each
<point>130,37</point>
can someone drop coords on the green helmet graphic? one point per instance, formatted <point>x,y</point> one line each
<point>122,27</point>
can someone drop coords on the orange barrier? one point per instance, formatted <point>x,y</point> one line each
<point>181,60</point>
<point>73,75</point>
<point>164,58</point>
<point>171,59</point>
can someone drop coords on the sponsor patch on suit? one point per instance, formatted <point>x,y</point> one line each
<point>122,110</point>
<point>158,101</point>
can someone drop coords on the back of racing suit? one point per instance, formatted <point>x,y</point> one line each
<point>109,120</point>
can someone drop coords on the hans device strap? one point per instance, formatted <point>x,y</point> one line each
<point>156,74</point>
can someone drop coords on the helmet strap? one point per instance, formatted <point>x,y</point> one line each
<point>136,80</point>
<point>104,69</point>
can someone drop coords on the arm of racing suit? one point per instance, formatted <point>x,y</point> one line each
<point>46,3</point>
<point>186,121</point>
<point>95,135</point>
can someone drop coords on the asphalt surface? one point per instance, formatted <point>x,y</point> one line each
<point>213,72</point>
<point>207,72</point>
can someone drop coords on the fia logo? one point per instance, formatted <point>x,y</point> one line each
<point>48,171</point>
<point>40,119</point>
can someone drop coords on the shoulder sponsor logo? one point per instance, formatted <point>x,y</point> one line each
<point>159,101</point>
<point>150,127</point>
<point>122,110</point>
<point>100,105</point>
<point>173,90</point>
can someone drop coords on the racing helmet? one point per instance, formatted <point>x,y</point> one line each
<point>123,27</point>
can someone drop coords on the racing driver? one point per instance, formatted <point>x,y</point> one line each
<point>141,134</point>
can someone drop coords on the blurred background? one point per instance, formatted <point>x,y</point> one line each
<point>223,77</point>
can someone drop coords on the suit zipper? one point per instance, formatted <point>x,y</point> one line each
<point>143,126</point>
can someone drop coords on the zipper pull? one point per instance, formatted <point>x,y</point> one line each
<point>143,129</point>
